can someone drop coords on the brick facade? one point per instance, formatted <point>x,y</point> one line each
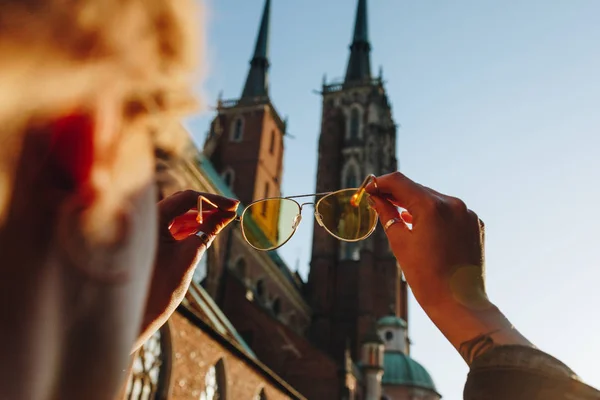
<point>295,359</point>
<point>247,139</point>
<point>194,351</point>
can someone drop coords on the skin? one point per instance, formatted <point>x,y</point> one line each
<point>442,257</point>
<point>90,267</point>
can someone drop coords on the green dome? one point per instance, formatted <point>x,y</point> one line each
<point>399,369</point>
<point>392,321</point>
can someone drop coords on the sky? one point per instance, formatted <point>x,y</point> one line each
<point>497,103</point>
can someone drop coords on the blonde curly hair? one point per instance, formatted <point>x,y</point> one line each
<point>57,55</point>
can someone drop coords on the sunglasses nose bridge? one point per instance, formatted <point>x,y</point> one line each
<point>297,220</point>
<point>319,218</point>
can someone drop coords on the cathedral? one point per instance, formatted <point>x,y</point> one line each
<point>250,327</point>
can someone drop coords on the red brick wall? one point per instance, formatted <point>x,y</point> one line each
<point>251,158</point>
<point>292,357</point>
<point>194,352</point>
<point>255,270</point>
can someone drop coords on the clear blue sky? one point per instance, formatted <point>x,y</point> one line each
<point>498,103</point>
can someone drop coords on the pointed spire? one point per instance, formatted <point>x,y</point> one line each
<point>257,83</point>
<point>359,65</point>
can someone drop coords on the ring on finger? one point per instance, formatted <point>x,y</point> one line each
<point>391,222</point>
<point>205,238</point>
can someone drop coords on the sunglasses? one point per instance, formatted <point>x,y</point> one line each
<point>268,224</point>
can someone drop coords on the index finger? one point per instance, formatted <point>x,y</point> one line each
<point>181,202</point>
<point>397,188</point>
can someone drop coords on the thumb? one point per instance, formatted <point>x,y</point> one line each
<point>396,232</point>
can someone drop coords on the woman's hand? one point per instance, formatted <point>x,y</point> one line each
<point>179,251</point>
<point>442,257</point>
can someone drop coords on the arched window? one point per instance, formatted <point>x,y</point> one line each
<point>351,179</point>
<point>215,384</point>
<point>238,130</point>
<point>277,306</point>
<point>354,124</point>
<point>201,271</point>
<point>264,203</point>
<point>260,395</point>
<point>151,368</point>
<point>228,177</point>
<point>240,268</point>
<point>272,144</point>
<point>260,288</point>
<point>350,175</point>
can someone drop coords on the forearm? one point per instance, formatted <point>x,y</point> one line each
<point>474,331</point>
<point>166,294</point>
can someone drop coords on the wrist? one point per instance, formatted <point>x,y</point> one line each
<point>474,330</point>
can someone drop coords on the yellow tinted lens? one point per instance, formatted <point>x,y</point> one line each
<point>345,220</point>
<point>267,224</point>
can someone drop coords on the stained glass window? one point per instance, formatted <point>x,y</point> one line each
<point>237,130</point>
<point>150,369</point>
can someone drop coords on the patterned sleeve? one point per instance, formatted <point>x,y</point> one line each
<point>524,373</point>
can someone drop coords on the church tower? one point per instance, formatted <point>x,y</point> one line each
<point>352,285</point>
<point>245,142</point>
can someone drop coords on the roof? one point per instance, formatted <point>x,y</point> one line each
<point>257,82</point>
<point>361,33</point>
<point>401,370</point>
<point>392,321</point>
<point>359,64</point>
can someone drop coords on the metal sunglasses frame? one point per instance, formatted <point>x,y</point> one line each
<point>354,199</point>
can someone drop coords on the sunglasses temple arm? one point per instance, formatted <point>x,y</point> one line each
<point>356,198</point>
<point>201,200</point>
